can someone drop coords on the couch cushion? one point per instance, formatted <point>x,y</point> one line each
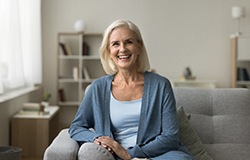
<point>221,119</point>
<point>231,129</point>
<point>190,138</point>
<point>228,151</point>
<point>196,101</point>
<point>203,125</point>
<point>231,101</point>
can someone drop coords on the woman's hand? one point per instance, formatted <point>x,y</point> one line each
<point>113,147</point>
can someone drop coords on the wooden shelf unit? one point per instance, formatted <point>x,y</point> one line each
<point>82,55</point>
<point>240,56</point>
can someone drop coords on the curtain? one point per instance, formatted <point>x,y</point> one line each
<point>20,43</point>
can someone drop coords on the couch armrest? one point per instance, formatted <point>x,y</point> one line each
<point>62,147</point>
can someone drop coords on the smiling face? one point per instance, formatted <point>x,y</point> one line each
<point>124,49</point>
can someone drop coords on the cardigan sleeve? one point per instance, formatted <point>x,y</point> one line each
<point>93,113</point>
<point>84,121</point>
<point>163,135</point>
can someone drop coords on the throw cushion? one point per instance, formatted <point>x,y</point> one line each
<point>190,138</point>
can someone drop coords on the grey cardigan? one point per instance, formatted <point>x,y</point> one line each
<point>158,130</point>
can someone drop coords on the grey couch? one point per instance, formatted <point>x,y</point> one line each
<point>220,117</point>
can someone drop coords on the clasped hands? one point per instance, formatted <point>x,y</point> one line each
<point>113,147</point>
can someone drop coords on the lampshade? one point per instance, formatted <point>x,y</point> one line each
<point>237,12</point>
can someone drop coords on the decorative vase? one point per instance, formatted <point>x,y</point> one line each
<point>79,26</point>
<point>45,104</point>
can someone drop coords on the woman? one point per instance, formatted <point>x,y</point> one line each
<point>131,110</point>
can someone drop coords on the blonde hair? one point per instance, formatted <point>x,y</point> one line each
<point>107,63</point>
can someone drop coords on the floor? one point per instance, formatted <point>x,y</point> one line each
<point>32,158</point>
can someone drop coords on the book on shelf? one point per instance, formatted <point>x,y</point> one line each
<point>63,47</point>
<point>66,50</point>
<point>242,74</point>
<point>32,106</point>
<point>69,51</point>
<point>85,49</point>
<point>86,73</point>
<point>61,95</point>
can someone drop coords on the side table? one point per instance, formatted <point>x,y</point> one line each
<point>33,132</point>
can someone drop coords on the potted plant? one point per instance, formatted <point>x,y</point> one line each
<point>46,98</point>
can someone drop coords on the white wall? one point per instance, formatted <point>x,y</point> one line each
<point>177,33</point>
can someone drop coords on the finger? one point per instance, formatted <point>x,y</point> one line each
<point>96,141</point>
<point>104,145</point>
<point>104,138</point>
<point>110,150</point>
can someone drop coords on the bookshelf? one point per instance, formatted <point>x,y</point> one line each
<point>240,49</point>
<point>78,65</point>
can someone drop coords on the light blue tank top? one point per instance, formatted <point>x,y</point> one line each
<point>125,117</point>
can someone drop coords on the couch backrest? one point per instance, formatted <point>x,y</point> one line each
<point>218,115</point>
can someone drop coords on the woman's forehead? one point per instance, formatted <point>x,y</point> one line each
<point>122,32</point>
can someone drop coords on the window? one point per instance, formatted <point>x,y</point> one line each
<point>20,44</point>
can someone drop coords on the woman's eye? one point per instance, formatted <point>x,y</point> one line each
<point>115,44</point>
<point>129,42</point>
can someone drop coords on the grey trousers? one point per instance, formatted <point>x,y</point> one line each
<point>92,151</point>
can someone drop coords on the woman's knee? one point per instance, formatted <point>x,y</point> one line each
<point>176,155</point>
<point>92,151</point>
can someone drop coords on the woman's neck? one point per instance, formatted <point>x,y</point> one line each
<point>128,86</point>
<point>126,77</point>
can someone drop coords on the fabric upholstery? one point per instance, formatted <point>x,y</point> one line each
<point>231,129</point>
<point>219,116</point>
<point>228,151</point>
<point>221,119</point>
<point>204,129</point>
<point>190,138</point>
<point>62,147</point>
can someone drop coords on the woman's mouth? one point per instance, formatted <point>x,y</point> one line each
<point>124,56</point>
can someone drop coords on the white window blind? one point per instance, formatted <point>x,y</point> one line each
<point>20,43</point>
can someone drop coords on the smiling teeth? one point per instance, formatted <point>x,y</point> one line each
<point>123,57</point>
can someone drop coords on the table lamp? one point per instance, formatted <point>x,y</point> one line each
<point>237,13</point>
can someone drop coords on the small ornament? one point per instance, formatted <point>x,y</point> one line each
<point>187,73</point>
<point>79,26</point>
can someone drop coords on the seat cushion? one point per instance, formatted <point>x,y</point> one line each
<point>231,129</point>
<point>228,151</point>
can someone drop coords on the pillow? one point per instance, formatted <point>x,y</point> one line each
<point>189,138</point>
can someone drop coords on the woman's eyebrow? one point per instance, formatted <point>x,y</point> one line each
<point>112,42</point>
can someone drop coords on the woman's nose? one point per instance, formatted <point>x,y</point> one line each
<point>122,48</point>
